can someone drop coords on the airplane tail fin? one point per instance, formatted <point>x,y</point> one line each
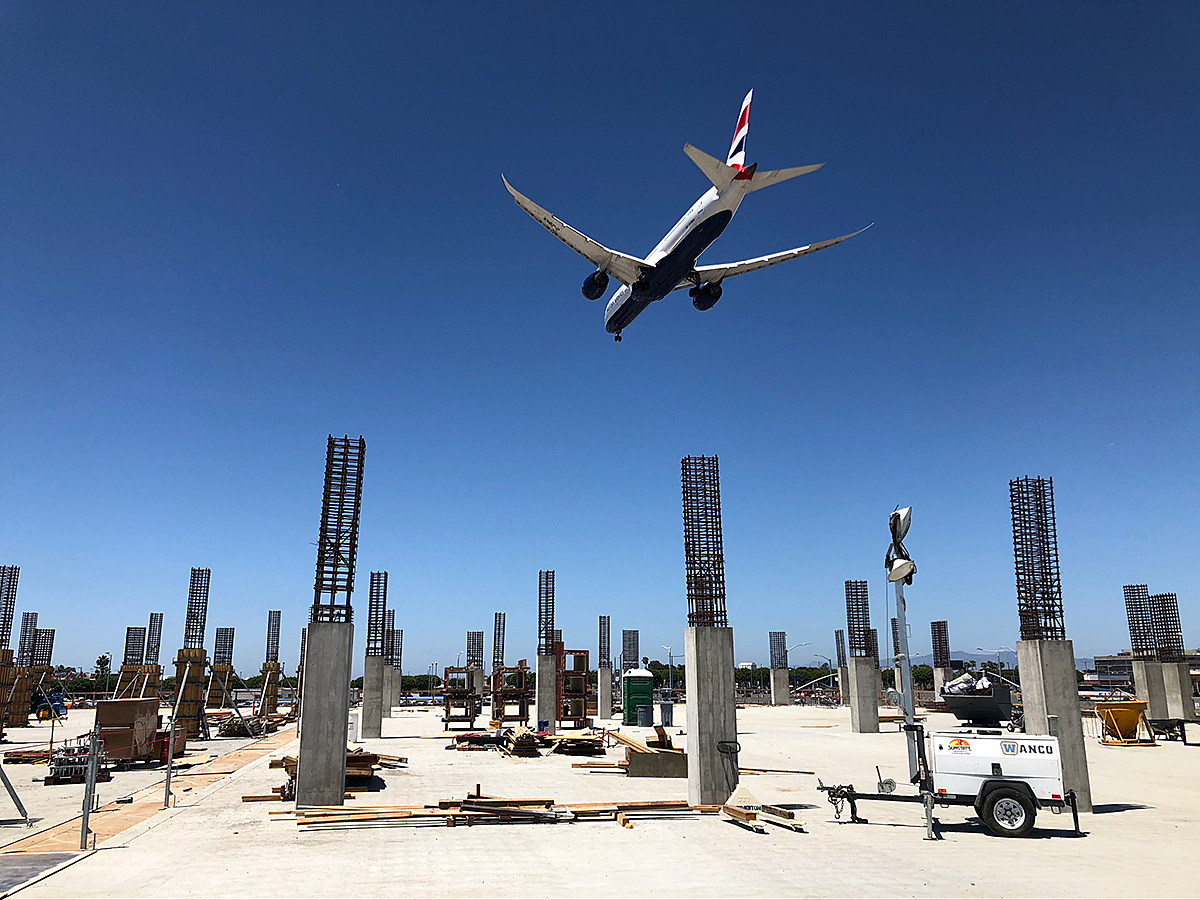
<point>737,150</point>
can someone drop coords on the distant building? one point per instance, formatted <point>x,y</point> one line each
<point>748,665</point>
<point>1118,669</point>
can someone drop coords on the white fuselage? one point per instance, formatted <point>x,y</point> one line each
<point>675,256</point>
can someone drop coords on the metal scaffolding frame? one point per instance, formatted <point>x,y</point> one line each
<point>29,622</point>
<point>272,636</point>
<point>939,632</point>
<point>154,639</point>
<point>223,647</point>
<point>1141,625</point>
<point>9,576</point>
<point>858,618</point>
<point>337,542</point>
<point>498,641</point>
<point>778,644</point>
<point>197,609</point>
<point>839,642</point>
<point>605,659</point>
<point>376,614</point>
<point>135,646</point>
<point>545,621</point>
<point>703,544</point>
<point>1168,632</point>
<point>1035,554</point>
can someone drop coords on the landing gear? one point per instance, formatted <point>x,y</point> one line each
<point>617,337</point>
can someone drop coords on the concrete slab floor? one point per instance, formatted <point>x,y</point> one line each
<point>1140,841</point>
<point>51,805</point>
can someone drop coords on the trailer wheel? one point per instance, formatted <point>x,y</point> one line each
<point>1008,813</point>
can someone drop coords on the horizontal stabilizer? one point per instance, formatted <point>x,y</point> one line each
<point>714,170</point>
<point>778,176</point>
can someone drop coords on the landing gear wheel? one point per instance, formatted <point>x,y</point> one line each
<point>617,337</point>
<point>1008,813</point>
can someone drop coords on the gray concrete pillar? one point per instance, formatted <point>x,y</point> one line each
<point>940,677</point>
<point>1050,691</point>
<point>711,714</point>
<point>864,695</point>
<point>1177,687</point>
<point>397,687</point>
<point>388,684</point>
<point>321,774</point>
<point>370,721</point>
<point>547,686</point>
<point>479,684</point>
<point>781,694</point>
<point>604,694</point>
<point>844,685</point>
<point>1149,686</point>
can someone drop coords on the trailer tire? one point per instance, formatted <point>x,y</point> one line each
<point>1008,813</point>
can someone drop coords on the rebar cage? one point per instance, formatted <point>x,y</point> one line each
<point>1035,554</point>
<point>858,617</point>
<point>337,543</point>
<point>703,543</point>
<point>197,609</point>
<point>839,642</point>
<point>545,612</point>
<point>474,649</point>
<point>29,622</point>
<point>9,575</point>
<point>135,646</point>
<point>154,639</point>
<point>498,641</point>
<point>272,636</point>
<point>223,647</point>
<point>389,635</point>
<point>630,652</point>
<point>873,646</point>
<point>605,659</point>
<point>778,644</point>
<point>43,647</point>
<point>1141,625</point>
<point>1168,632</point>
<point>940,633</point>
<point>377,614</point>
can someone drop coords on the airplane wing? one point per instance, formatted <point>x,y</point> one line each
<point>702,274</point>
<point>626,269</point>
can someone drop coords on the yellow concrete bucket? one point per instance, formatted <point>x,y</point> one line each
<point>1124,722</point>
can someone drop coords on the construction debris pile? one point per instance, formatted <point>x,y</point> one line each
<point>361,767</point>
<point>524,742</point>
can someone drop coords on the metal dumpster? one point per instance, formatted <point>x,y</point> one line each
<point>990,708</point>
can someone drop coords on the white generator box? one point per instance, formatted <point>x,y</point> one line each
<point>962,761</point>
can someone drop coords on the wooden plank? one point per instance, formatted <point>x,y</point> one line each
<point>778,811</point>
<point>748,770</point>
<point>631,743</point>
<point>736,812</point>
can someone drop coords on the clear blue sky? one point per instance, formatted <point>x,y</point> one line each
<point>228,231</point>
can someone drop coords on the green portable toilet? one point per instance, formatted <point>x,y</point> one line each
<point>637,689</point>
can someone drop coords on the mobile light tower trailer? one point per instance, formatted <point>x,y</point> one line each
<point>1006,778</point>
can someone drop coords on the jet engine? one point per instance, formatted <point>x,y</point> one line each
<point>705,296</point>
<point>595,285</point>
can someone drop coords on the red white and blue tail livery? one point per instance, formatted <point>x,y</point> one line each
<point>672,264</point>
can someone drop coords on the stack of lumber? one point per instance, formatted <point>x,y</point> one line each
<point>520,741</point>
<point>28,757</point>
<point>474,740</point>
<point>478,809</point>
<point>360,766</point>
<point>578,743</point>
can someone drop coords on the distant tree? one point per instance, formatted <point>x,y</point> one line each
<point>922,677</point>
<point>103,665</point>
<point>888,677</point>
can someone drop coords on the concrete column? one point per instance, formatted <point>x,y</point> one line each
<point>321,775</point>
<point>604,694</point>
<point>864,695</point>
<point>479,683</point>
<point>781,694</point>
<point>1049,689</point>
<point>711,714</point>
<point>547,678</point>
<point>844,685</point>
<point>370,722</point>
<point>397,687</point>
<point>940,677</point>
<point>1150,688</point>
<point>1177,687</point>
<point>388,683</point>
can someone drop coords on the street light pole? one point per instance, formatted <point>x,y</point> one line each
<point>670,671</point>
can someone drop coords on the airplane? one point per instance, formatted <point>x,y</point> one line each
<point>672,264</point>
